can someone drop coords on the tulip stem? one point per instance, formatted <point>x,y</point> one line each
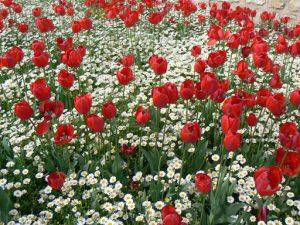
<point>184,147</point>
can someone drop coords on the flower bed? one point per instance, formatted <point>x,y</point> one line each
<point>168,113</point>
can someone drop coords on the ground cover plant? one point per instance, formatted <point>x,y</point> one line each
<point>148,112</point>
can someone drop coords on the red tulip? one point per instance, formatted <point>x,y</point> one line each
<point>190,133</point>
<point>125,76</point>
<point>44,25</point>
<point>40,89</point>
<point>216,59</point>
<point>172,92</point>
<point>288,161</point>
<point>267,180</point>
<point>172,219</point>
<point>158,64</point>
<point>142,116</point>
<point>65,79</point>
<point>23,27</point>
<point>246,51</point>
<point>262,97</point>
<point>232,141</point>
<point>160,96</point>
<point>36,12</point>
<point>233,41</point>
<point>109,110</point>
<point>156,17</point>
<point>38,45</point>
<point>295,97</point>
<point>86,23</point>
<point>233,106</point>
<point>166,210</point>
<point>203,182</point>
<point>230,123</point>
<point>64,134</point>
<point>199,66</point>
<point>275,82</point>
<point>72,58</point>
<point>128,151</point>
<point>209,83</point>
<point>196,50</point>
<point>23,110</point>
<point>51,109</point>
<point>43,127</point>
<point>200,95</point>
<point>251,120</point>
<point>287,132</point>
<point>95,123</point>
<point>83,103</point>
<point>64,45</point>
<point>41,59</point>
<point>246,75</point>
<point>187,89</point>
<point>56,180</point>
<point>276,104</point>
<point>131,18</point>
<point>281,45</point>
<point>75,26</point>
<point>127,60</point>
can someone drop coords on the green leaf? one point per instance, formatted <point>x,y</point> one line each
<point>117,166</point>
<point>5,206</point>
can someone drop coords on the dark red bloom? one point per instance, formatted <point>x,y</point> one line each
<point>172,92</point>
<point>288,161</point>
<point>190,133</point>
<point>109,110</point>
<point>72,58</point>
<point>23,27</point>
<point>287,132</point>
<point>196,50</point>
<point>56,180</point>
<point>65,79</point>
<point>216,59</point>
<point>232,141</point>
<point>127,60</point>
<point>23,110</point>
<point>276,104</point>
<point>267,180</point>
<point>131,18</point>
<point>158,64</point>
<point>64,134</point>
<point>203,182</point>
<point>251,120</point>
<point>230,123</point>
<point>125,76</point>
<point>142,116</point>
<point>43,127</point>
<point>38,45</point>
<point>246,75</point>
<point>200,95</point>
<point>156,17</point>
<point>95,123</point>
<point>64,45</point>
<point>36,12</point>
<point>44,25</point>
<point>40,89</point>
<point>295,97</point>
<point>199,66</point>
<point>262,96</point>
<point>275,81</point>
<point>75,26</point>
<point>233,106</point>
<point>41,59</point>
<point>160,96</point>
<point>83,103</point>
<point>86,23</point>
<point>233,41</point>
<point>209,82</point>
<point>281,45</point>
<point>187,89</point>
<point>128,151</point>
<point>51,109</point>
